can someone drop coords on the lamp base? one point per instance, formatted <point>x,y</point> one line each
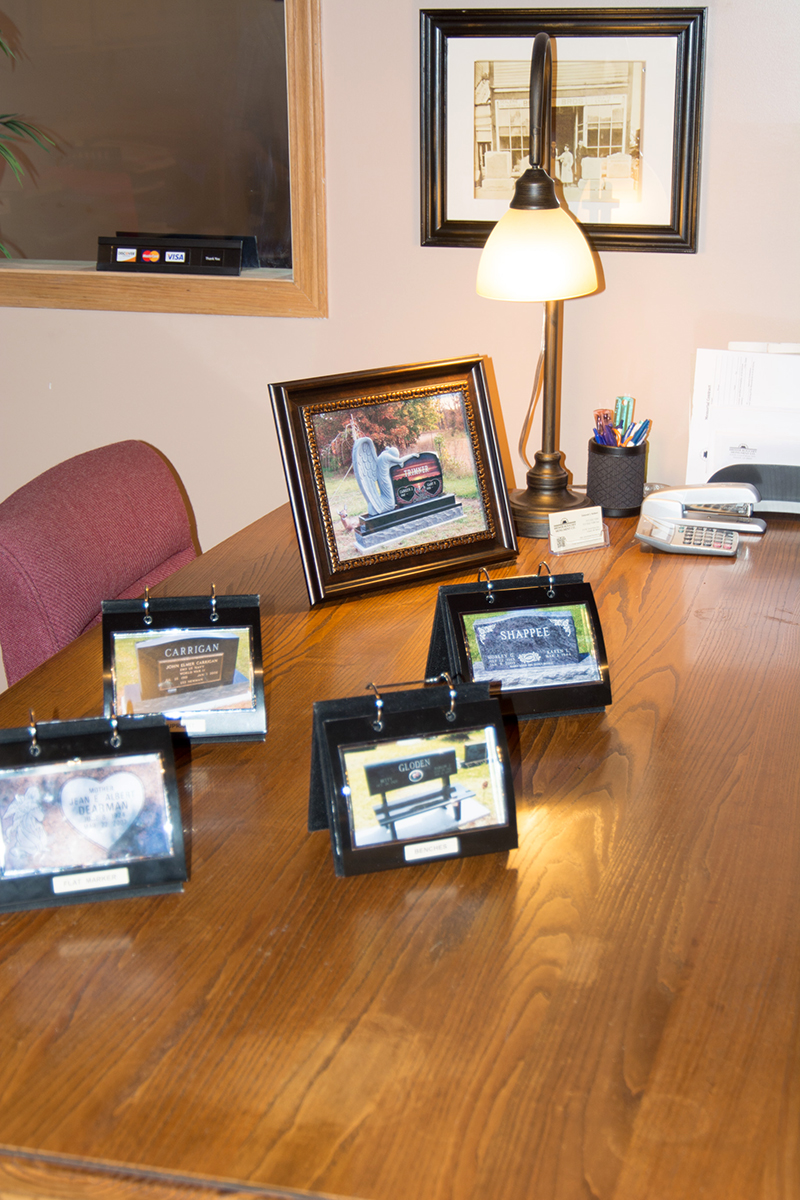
<point>545,495</point>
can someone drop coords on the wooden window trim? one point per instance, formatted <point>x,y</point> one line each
<point>255,293</point>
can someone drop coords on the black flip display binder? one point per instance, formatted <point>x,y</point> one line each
<point>400,778</point>
<point>535,641</point>
<point>88,811</point>
<point>196,659</point>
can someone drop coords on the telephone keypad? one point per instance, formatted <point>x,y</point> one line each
<point>707,539</point>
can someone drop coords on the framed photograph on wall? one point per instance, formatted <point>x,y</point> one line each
<point>393,474</point>
<point>627,114</point>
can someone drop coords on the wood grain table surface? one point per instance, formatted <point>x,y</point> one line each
<point>610,1012</point>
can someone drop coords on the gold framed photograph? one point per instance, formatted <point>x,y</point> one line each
<point>393,474</point>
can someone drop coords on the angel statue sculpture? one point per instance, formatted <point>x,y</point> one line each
<point>372,474</point>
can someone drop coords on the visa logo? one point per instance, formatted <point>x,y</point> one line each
<point>125,255</point>
<point>175,256</point>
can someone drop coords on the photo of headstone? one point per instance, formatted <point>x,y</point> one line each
<point>182,669</point>
<point>531,648</point>
<point>404,495</point>
<point>168,665</point>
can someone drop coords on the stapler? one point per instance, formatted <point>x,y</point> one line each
<point>702,519</point>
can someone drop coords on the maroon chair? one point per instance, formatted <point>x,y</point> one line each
<point>102,526</point>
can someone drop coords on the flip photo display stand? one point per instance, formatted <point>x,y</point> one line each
<point>403,777</point>
<point>536,641</point>
<point>88,811</point>
<point>196,659</point>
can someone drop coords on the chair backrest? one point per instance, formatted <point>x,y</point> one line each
<point>102,526</point>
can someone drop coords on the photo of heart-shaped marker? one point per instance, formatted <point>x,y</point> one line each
<point>102,809</point>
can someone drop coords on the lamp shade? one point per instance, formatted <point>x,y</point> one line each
<point>536,254</point>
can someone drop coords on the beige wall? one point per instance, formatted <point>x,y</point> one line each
<point>196,386</point>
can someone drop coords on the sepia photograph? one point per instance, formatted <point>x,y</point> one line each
<point>626,94</point>
<point>598,109</point>
<point>424,787</point>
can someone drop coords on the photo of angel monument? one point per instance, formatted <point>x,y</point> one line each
<point>400,473</point>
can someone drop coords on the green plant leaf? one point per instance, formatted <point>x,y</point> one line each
<point>23,129</point>
<point>11,159</point>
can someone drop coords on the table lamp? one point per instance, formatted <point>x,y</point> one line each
<point>538,252</point>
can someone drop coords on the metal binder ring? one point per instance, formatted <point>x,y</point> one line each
<point>214,613</point>
<point>489,584</point>
<point>451,714</point>
<point>551,591</point>
<point>34,749</point>
<point>148,620</point>
<point>115,740</point>
<point>377,724</point>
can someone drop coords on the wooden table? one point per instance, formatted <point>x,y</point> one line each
<point>610,1011</point>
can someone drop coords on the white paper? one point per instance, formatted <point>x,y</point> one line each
<point>745,409</point>
<point>441,848</point>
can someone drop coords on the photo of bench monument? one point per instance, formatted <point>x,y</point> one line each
<point>425,786</point>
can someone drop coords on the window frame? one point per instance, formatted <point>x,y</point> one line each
<point>265,292</point>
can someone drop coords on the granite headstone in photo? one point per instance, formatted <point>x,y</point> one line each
<point>185,664</point>
<point>418,477</point>
<point>527,640</point>
<point>404,495</point>
<point>399,773</point>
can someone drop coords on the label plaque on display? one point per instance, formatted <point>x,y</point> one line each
<point>88,811</point>
<point>536,641</point>
<point>411,777</point>
<point>195,659</point>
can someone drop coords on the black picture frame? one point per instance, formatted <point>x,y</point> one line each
<point>676,230</point>
<point>577,679</point>
<point>424,777</point>
<point>315,417</point>
<point>159,652</point>
<point>89,810</point>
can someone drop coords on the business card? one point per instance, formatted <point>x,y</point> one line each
<point>579,530</point>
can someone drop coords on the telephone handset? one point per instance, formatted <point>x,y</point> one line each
<point>704,519</point>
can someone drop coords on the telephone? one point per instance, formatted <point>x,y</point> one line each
<point>703,519</point>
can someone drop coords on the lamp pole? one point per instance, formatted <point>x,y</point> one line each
<point>548,273</point>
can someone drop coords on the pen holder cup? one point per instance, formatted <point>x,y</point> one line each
<point>615,478</point>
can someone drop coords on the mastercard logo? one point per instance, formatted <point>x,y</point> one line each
<point>151,255</point>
